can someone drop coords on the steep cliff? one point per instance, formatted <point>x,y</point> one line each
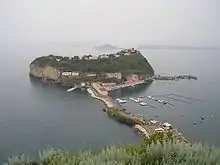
<point>44,72</point>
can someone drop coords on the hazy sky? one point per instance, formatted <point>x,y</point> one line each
<point>185,22</point>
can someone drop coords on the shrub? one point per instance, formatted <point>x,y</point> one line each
<point>153,151</point>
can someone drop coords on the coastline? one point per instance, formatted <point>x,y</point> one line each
<point>139,123</point>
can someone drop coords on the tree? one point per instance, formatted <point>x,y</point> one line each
<point>76,58</point>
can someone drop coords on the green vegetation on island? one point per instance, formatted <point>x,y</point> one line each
<point>94,68</point>
<point>154,150</point>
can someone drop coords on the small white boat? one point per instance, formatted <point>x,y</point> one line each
<point>131,98</point>
<point>71,89</point>
<point>122,101</point>
<point>150,97</point>
<point>139,99</point>
<point>143,104</point>
<point>134,100</point>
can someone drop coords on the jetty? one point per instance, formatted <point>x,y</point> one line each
<point>130,84</point>
<point>178,77</point>
<point>73,88</point>
<point>138,122</point>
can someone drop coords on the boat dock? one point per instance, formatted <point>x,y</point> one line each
<point>178,77</point>
<point>73,88</point>
<point>143,126</point>
<point>130,84</point>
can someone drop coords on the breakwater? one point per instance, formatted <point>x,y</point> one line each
<point>142,125</point>
<point>178,77</point>
<point>131,84</point>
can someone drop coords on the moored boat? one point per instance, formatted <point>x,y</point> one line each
<point>143,103</point>
<point>121,101</point>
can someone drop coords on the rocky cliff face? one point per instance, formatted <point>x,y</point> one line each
<point>44,72</point>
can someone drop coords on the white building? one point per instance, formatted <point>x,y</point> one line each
<point>91,74</point>
<point>116,75</point>
<point>66,73</point>
<point>117,55</point>
<point>133,50</point>
<point>103,56</point>
<point>83,84</point>
<point>70,73</point>
<point>153,121</point>
<point>159,130</point>
<point>92,58</point>
<point>167,125</point>
<point>75,73</point>
<point>126,50</point>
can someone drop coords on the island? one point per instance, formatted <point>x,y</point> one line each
<point>162,144</point>
<point>106,47</point>
<point>101,75</point>
<point>127,65</point>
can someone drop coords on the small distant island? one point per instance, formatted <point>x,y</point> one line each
<point>125,65</point>
<point>106,47</point>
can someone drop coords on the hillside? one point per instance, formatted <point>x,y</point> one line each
<point>125,62</point>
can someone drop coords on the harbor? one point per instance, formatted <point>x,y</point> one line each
<point>129,84</point>
<point>142,125</point>
<point>116,110</point>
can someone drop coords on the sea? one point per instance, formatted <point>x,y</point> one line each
<point>34,117</point>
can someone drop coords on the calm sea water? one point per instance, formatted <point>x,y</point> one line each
<point>34,116</point>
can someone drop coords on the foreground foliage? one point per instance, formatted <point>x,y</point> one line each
<point>153,151</point>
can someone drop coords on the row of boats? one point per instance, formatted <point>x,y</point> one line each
<point>140,100</point>
<point>157,100</point>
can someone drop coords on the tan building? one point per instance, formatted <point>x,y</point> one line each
<point>116,75</point>
<point>107,86</point>
<point>133,77</point>
<point>100,89</point>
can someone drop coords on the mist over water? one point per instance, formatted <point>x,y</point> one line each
<point>35,116</point>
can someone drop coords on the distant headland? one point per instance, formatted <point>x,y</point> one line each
<point>106,47</point>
